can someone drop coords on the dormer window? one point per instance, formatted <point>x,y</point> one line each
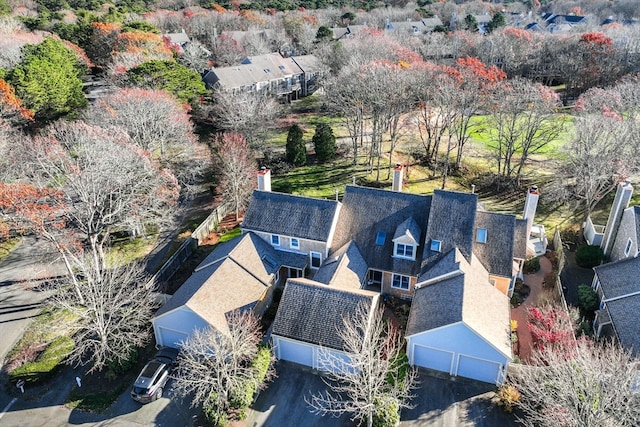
<point>481,235</point>
<point>436,245</point>
<point>275,240</point>
<point>405,251</point>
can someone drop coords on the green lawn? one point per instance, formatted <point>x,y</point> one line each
<point>6,246</point>
<point>482,132</point>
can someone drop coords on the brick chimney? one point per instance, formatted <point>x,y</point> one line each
<point>530,206</point>
<point>264,179</point>
<point>620,203</point>
<point>398,176</point>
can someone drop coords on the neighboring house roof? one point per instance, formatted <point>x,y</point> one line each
<point>345,269</point>
<point>308,63</point>
<point>629,228</point>
<point>312,312</point>
<point>520,239</point>
<point>234,276</point>
<point>369,213</point>
<point>253,70</point>
<point>339,33</point>
<point>289,215</point>
<point>180,38</point>
<point>431,23</point>
<point>468,298</point>
<point>620,290</point>
<point>496,254</point>
<point>451,222</point>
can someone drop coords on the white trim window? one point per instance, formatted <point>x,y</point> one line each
<point>400,282</point>
<point>405,251</point>
<point>315,259</point>
<point>627,248</point>
<point>481,235</point>
<point>436,245</point>
<point>275,240</point>
<point>294,243</point>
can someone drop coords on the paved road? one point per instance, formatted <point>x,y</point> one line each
<point>30,263</point>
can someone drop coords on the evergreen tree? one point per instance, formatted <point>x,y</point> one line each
<point>48,80</point>
<point>186,85</point>
<point>324,142</point>
<point>296,150</point>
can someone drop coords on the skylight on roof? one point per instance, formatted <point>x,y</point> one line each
<point>266,70</point>
<point>382,235</point>
<point>281,67</point>
<point>269,261</point>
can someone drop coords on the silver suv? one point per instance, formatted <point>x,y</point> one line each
<point>151,381</point>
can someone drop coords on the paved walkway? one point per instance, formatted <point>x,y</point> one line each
<point>534,281</point>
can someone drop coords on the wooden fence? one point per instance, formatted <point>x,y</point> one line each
<point>185,250</point>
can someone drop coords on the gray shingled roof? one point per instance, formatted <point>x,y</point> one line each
<point>367,211</point>
<point>467,298</point>
<point>520,239</point>
<point>451,221</point>
<point>234,276</point>
<point>259,68</point>
<point>312,312</point>
<point>289,215</point>
<point>445,264</point>
<point>345,269</point>
<point>621,292</point>
<point>308,63</point>
<point>496,255</point>
<point>409,228</point>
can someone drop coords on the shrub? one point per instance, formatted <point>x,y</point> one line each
<point>387,413</point>
<point>587,299</point>
<point>508,396</point>
<point>46,363</point>
<point>588,256</point>
<point>116,368</point>
<point>532,265</point>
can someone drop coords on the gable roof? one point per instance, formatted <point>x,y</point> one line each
<point>496,255</point>
<point>467,297</point>
<point>367,211</point>
<point>253,70</point>
<point>312,312</point>
<point>451,221</point>
<point>621,293</point>
<point>520,239</point>
<point>289,215</point>
<point>308,63</point>
<point>234,276</point>
<point>345,269</point>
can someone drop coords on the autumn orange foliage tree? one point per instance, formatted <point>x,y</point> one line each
<point>10,105</point>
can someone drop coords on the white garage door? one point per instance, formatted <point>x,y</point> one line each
<point>295,352</point>
<point>432,358</point>
<point>483,370</point>
<point>170,338</point>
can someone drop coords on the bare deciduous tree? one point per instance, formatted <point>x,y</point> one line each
<point>598,156</point>
<point>157,123</point>
<point>370,379</point>
<point>250,114</point>
<point>593,386</point>
<point>213,364</point>
<point>522,120</point>
<point>236,166</point>
<point>111,309</point>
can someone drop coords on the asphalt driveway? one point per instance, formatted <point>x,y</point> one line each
<point>439,401</point>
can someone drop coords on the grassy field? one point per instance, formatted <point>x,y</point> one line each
<point>325,181</point>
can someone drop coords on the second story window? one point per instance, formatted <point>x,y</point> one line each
<point>295,243</point>
<point>275,240</point>
<point>405,251</point>
<point>316,259</point>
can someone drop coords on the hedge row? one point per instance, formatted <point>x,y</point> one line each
<point>47,362</point>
